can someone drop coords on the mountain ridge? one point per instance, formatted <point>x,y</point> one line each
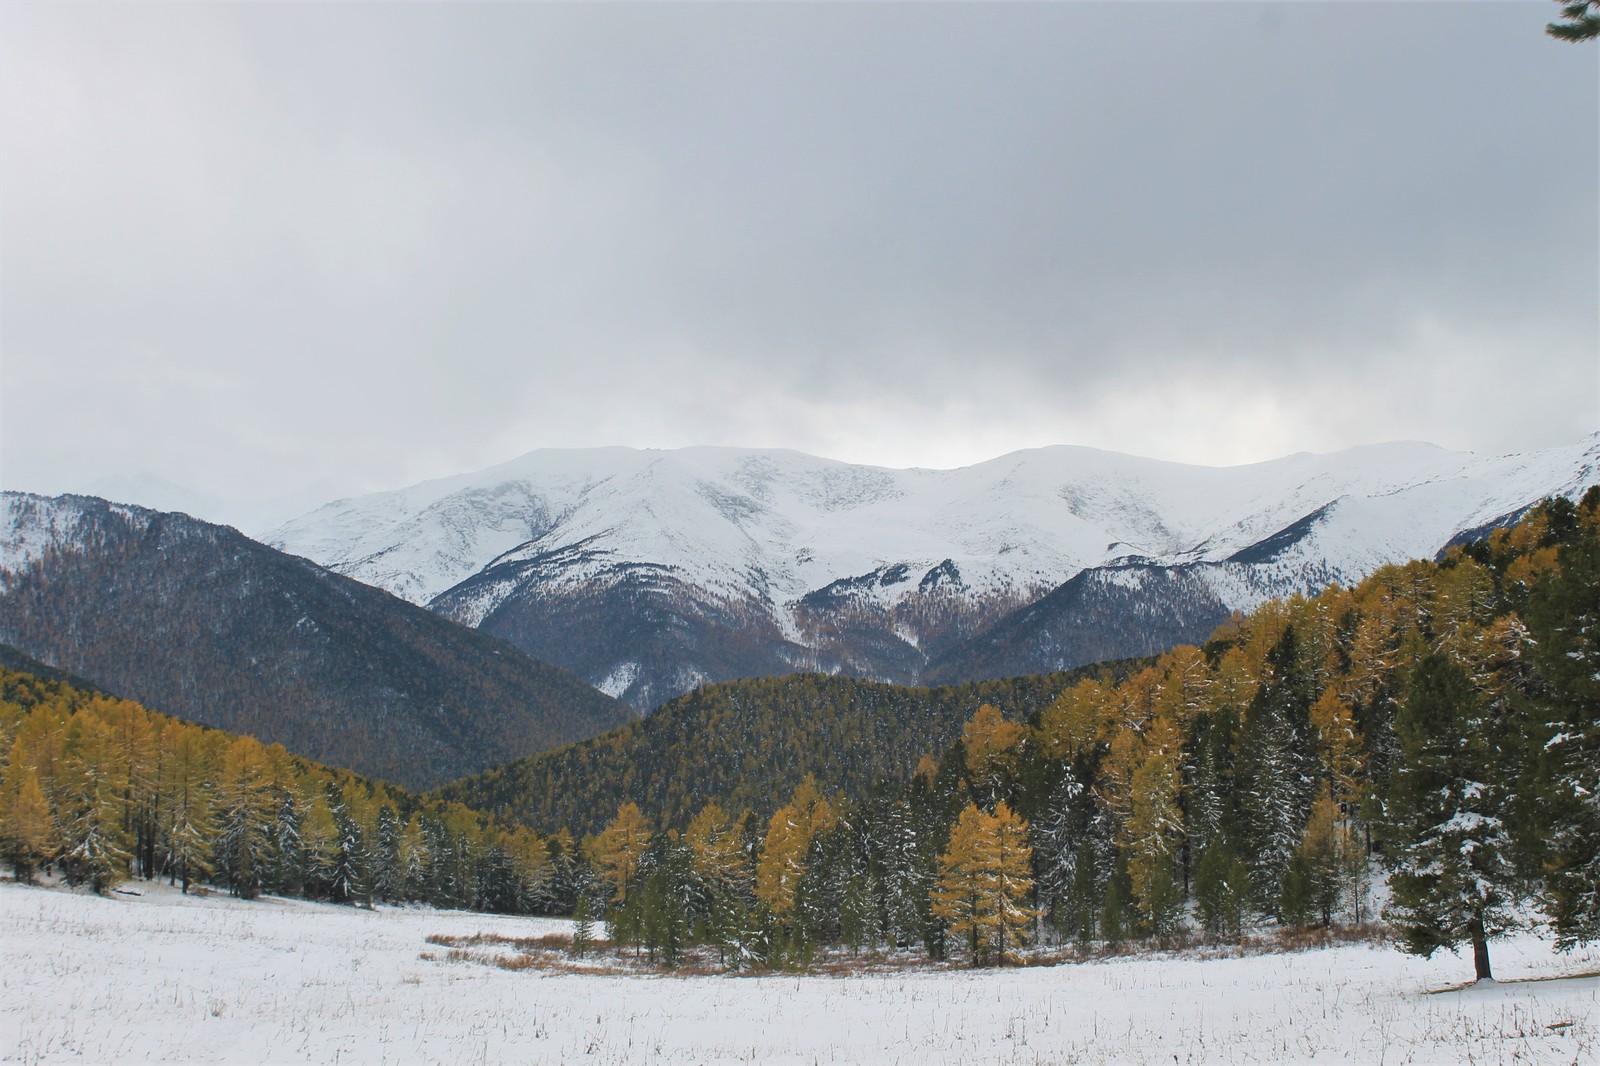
<point>711,563</point>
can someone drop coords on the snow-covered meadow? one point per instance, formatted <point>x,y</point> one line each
<point>163,977</point>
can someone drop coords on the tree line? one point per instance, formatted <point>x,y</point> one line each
<point>749,743</point>
<point>100,789</point>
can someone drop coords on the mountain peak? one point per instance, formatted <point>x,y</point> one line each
<point>791,548</point>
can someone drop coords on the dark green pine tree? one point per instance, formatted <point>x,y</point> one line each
<point>836,868</point>
<point>1582,21</point>
<point>1221,890</point>
<point>349,880</point>
<point>1116,916</point>
<point>664,918</point>
<point>1453,881</point>
<point>1208,786</point>
<point>570,880</point>
<point>388,875</point>
<point>1563,618</point>
<point>582,928</point>
<point>495,885</point>
<point>859,913</point>
<point>243,846</point>
<point>900,876</point>
<point>1275,773</point>
<point>1068,837</point>
<point>288,849</point>
<point>445,887</point>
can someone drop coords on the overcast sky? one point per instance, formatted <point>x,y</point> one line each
<point>250,248</point>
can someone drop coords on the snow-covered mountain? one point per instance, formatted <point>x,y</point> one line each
<point>651,571</point>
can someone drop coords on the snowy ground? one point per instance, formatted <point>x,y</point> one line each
<point>161,977</point>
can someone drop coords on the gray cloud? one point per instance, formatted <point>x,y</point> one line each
<point>246,247</point>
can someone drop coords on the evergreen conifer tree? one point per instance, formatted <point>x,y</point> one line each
<point>1221,888</point>
<point>288,848</point>
<point>1453,882</point>
<point>1275,772</point>
<point>388,880</point>
<point>582,928</point>
<point>1563,619</point>
<point>1580,21</point>
<point>348,881</point>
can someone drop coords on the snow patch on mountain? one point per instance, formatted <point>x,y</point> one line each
<point>619,680</point>
<point>33,526</point>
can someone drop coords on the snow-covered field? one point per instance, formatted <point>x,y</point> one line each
<point>161,977</point>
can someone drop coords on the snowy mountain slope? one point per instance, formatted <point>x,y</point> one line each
<point>638,568</point>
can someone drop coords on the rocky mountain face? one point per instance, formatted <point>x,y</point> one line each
<point>198,621</point>
<point>651,572</point>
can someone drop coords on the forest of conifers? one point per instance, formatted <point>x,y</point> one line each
<point>101,789</point>
<point>1439,724</point>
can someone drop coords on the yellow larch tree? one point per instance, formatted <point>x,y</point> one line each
<point>1340,746</point>
<point>1153,832</point>
<point>617,850</point>
<point>1233,683</point>
<point>31,835</point>
<point>1071,725</point>
<point>1181,692</point>
<point>529,855</point>
<point>990,742</point>
<point>984,875</point>
<point>186,783</point>
<point>783,854</point>
<point>716,849</point>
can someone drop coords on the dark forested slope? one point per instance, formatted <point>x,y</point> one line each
<point>741,743</point>
<point>199,621</point>
<point>99,789</point>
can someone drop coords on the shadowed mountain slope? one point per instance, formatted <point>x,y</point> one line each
<point>198,621</point>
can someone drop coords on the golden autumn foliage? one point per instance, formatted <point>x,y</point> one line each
<point>102,789</point>
<point>984,877</point>
<point>1341,745</point>
<point>716,849</point>
<point>789,835</point>
<point>617,850</point>
<point>988,740</point>
<point>31,834</point>
<point>1071,725</point>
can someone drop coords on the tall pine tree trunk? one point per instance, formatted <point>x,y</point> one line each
<point>1480,950</point>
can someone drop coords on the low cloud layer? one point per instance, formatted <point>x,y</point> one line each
<point>248,248</point>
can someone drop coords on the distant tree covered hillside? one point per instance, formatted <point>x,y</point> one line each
<point>12,659</point>
<point>100,789</point>
<point>197,620</point>
<point>743,743</point>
